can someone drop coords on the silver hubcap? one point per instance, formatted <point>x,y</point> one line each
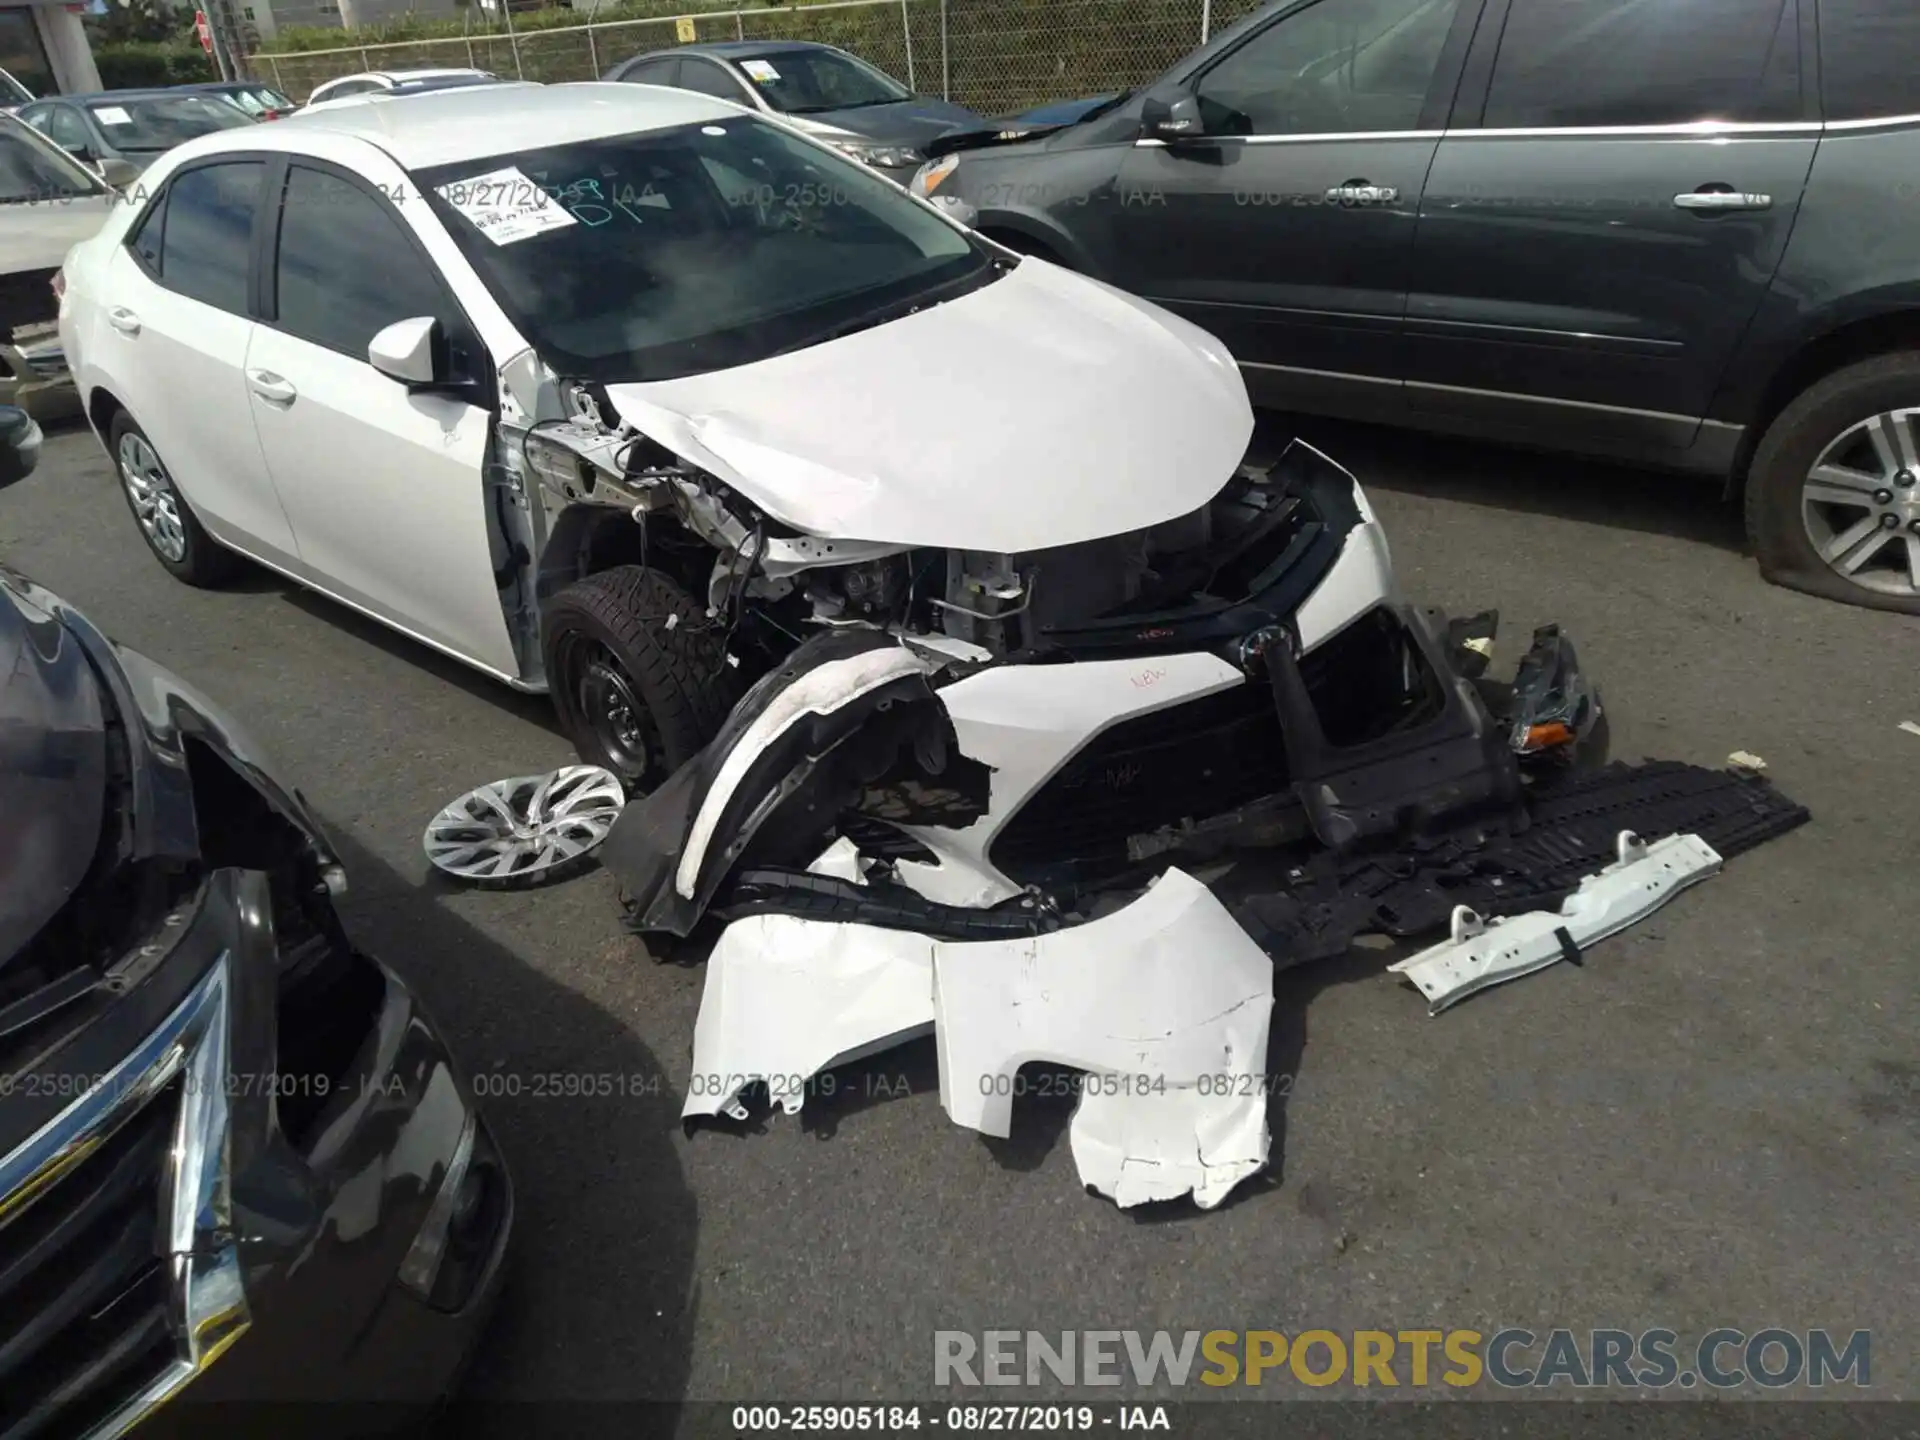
<point>521,830</point>
<point>1861,504</point>
<point>156,504</point>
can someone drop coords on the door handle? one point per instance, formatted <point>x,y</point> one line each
<point>1721,202</point>
<point>1361,192</point>
<point>271,388</point>
<point>124,320</point>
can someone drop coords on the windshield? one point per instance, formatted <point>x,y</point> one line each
<point>164,121</point>
<point>257,100</point>
<point>33,171</point>
<point>669,253</point>
<point>803,82</point>
<point>12,92</point>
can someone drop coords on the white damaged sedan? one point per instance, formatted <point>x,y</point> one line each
<point>630,415</point>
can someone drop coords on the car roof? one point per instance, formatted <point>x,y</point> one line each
<point>746,49</point>
<point>443,127</point>
<point>112,97</point>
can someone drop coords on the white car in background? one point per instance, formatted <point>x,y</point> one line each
<point>391,82</point>
<point>623,393</point>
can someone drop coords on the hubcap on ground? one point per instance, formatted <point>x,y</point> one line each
<point>1861,503</point>
<point>156,504</point>
<point>524,829</point>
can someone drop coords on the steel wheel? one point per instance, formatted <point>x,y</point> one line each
<point>156,504</point>
<point>1861,504</point>
<point>527,829</point>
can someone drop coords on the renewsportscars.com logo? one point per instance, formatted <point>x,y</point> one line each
<point>1511,1358</point>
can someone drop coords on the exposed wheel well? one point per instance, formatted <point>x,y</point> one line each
<point>1861,340</point>
<point>588,539</point>
<point>101,408</point>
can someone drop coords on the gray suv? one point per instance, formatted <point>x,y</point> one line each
<point>1673,232</point>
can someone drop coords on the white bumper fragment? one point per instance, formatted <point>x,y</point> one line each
<point>1165,1004</point>
<point>1481,952</point>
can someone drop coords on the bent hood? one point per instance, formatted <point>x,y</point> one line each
<point>1042,409</point>
<point>903,122</point>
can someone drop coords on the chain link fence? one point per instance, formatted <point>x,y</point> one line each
<point>999,57</point>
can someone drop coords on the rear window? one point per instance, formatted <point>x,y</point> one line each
<point>165,121</point>
<point>1870,58</point>
<point>1645,62</point>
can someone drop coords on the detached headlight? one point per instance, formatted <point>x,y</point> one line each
<point>882,157</point>
<point>928,177</point>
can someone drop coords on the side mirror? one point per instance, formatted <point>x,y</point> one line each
<point>117,172</point>
<point>411,351</point>
<point>1171,121</point>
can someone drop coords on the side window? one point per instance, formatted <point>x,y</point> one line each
<point>145,242</point>
<point>38,119</point>
<point>68,130</point>
<point>654,72</point>
<point>205,243</point>
<point>709,79</point>
<point>347,266</point>
<point>1645,62</point>
<point>346,88</point>
<point>1869,55</point>
<point>1337,67</point>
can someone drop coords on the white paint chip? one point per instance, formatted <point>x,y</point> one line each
<point>1910,727</point>
<point>505,206</point>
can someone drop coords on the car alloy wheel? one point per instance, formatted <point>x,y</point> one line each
<point>527,829</point>
<point>1860,504</point>
<point>156,504</point>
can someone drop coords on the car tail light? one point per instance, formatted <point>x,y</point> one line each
<point>59,284</point>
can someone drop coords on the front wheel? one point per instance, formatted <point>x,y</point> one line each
<point>637,672</point>
<point>1833,496</point>
<point>167,523</point>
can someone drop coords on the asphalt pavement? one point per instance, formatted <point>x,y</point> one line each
<point>1714,1121</point>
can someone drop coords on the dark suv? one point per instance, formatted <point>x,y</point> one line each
<point>1674,232</point>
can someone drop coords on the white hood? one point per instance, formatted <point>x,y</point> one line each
<point>1042,409</point>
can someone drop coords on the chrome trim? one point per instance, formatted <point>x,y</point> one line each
<point>1322,374</point>
<point>1150,142</point>
<point>1873,124</point>
<point>1554,400</point>
<point>1693,130</point>
<point>1723,425</point>
<point>208,1305</point>
<point>1414,324</point>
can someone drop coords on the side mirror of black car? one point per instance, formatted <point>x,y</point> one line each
<point>1171,121</point>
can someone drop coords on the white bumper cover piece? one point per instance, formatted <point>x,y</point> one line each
<point>1482,953</point>
<point>1165,1004</point>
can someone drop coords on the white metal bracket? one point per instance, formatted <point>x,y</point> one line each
<point>1482,952</point>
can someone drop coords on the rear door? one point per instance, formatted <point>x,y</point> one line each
<point>1605,215</point>
<point>385,486</point>
<point>1287,228</point>
<point>174,341</point>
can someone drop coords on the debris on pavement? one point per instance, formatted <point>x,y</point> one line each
<point>1746,760</point>
<point>1484,953</point>
<point>1164,1005</point>
<point>1910,727</point>
<point>527,830</point>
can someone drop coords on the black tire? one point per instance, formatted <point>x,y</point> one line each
<point>676,676</point>
<point>201,560</point>
<point>1787,454</point>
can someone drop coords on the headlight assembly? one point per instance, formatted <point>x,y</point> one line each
<point>929,177</point>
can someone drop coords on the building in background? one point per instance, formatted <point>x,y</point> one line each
<point>45,47</point>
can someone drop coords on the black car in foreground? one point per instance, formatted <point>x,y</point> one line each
<point>236,1163</point>
<point>1672,232</point>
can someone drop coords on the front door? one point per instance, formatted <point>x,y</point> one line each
<point>1596,237</point>
<point>385,486</point>
<point>1286,228</point>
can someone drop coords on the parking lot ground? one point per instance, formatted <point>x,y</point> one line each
<point>1714,1121</point>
